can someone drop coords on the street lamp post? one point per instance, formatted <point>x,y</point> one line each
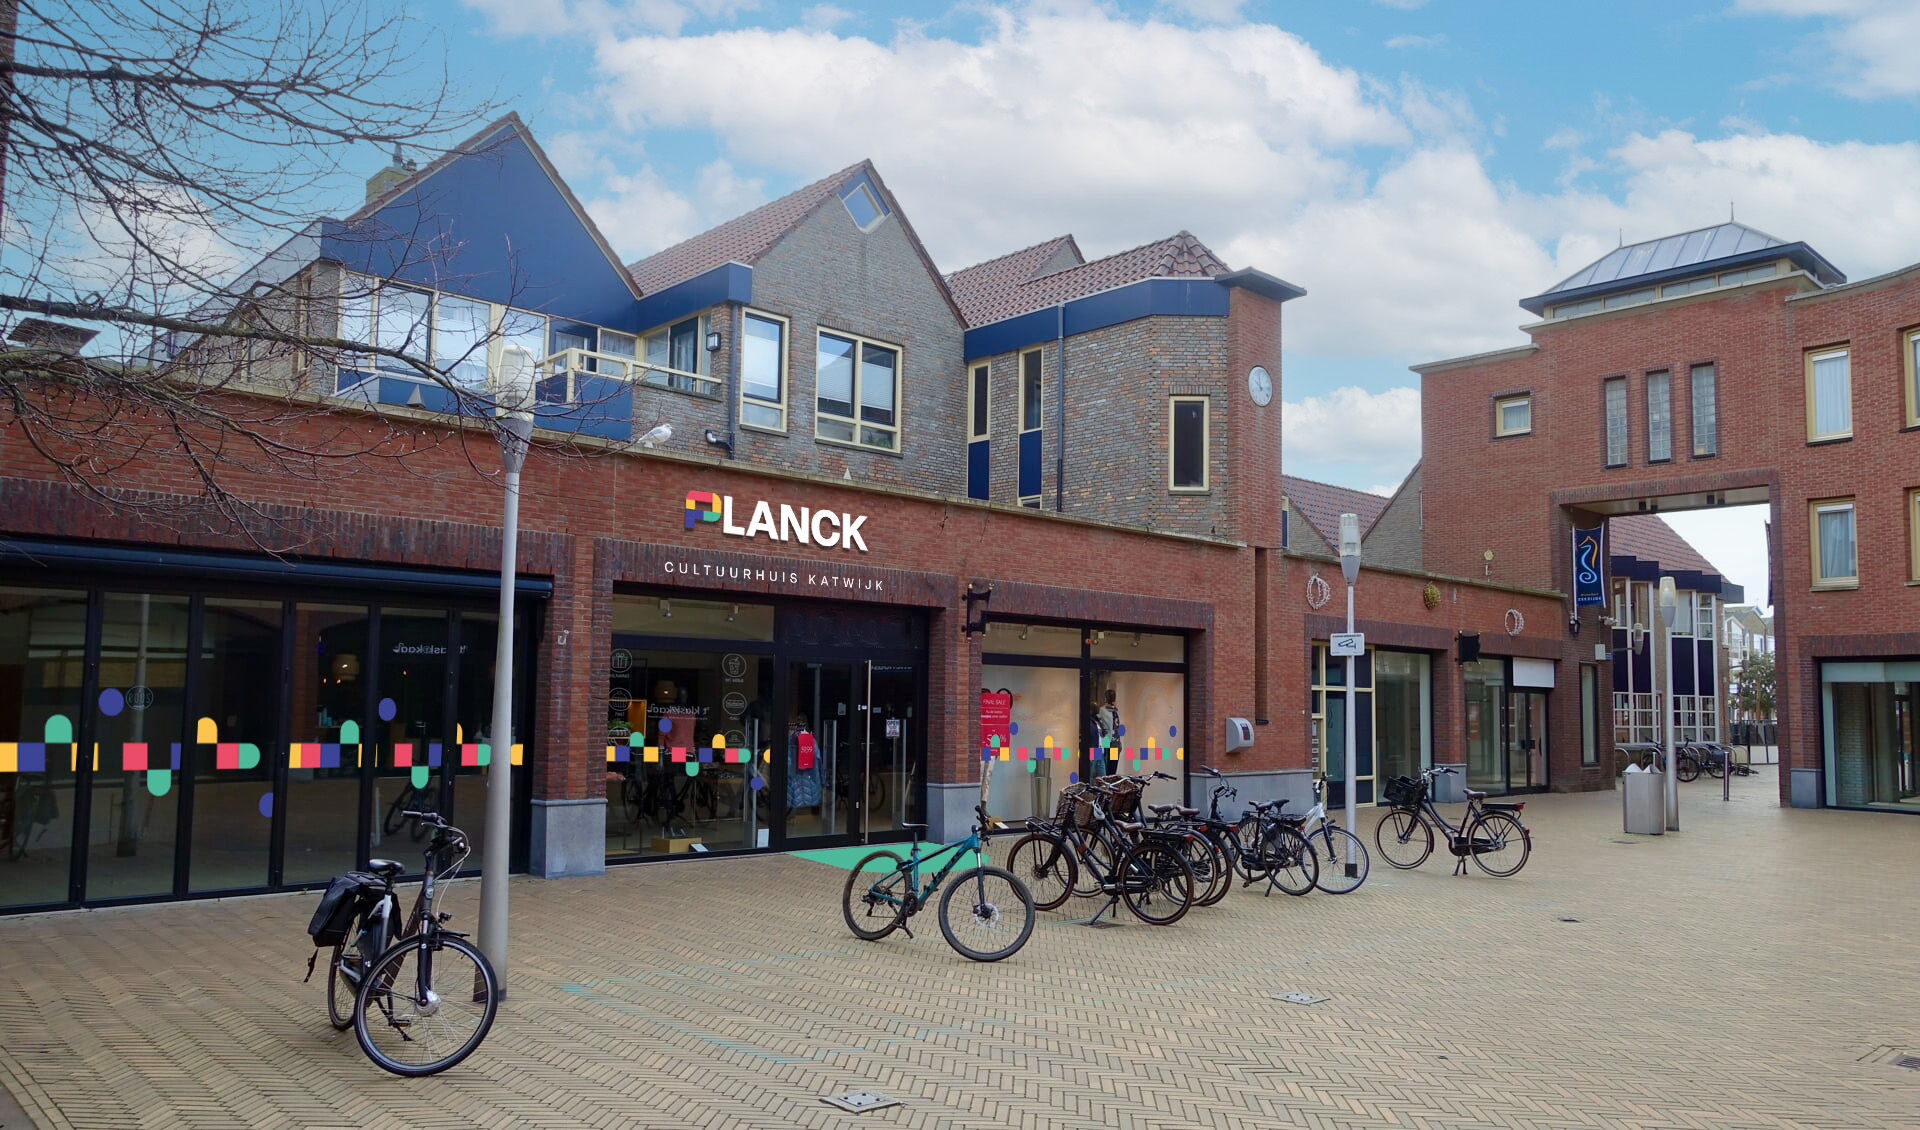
<point>1670,612</point>
<point>513,408</point>
<point>1350,569</point>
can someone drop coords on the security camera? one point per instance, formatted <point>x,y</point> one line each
<point>1607,621</point>
<point>661,433</point>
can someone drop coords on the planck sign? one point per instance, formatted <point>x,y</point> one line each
<point>825,528</point>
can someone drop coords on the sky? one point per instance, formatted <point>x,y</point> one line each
<point>1417,165</point>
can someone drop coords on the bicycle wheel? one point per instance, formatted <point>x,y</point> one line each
<point>340,990</point>
<point>1405,839</point>
<point>1716,768</point>
<point>1292,865</point>
<point>630,801</point>
<point>390,825</point>
<point>1156,883</point>
<point>1098,863</point>
<point>875,904</point>
<point>1689,768</point>
<point>994,917</point>
<point>1501,843</point>
<point>1046,866</point>
<point>425,1005</point>
<point>1250,861</point>
<point>1222,865</point>
<point>1332,844</point>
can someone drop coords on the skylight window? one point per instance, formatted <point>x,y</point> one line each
<point>863,205</point>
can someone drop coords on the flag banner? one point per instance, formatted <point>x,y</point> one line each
<point>1590,567</point>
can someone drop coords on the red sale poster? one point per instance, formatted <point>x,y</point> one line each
<point>996,718</point>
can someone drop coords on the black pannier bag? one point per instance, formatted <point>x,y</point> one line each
<point>346,896</point>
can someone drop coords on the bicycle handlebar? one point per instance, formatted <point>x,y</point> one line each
<point>433,818</point>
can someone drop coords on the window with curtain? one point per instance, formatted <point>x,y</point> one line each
<point>1830,393</point>
<point>1659,418</point>
<point>1834,560</point>
<point>1513,416</point>
<point>1616,405</point>
<point>1706,423</point>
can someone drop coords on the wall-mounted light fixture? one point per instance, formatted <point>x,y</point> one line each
<point>713,341</point>
<point>666,608</point>
<point>1026,631</point>
<point>733,612</point>
<point>976,622</point>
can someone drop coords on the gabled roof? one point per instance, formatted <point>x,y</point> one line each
<point>976,287</point>
<point>480,142</point>
<point>741,239</point>
<point>1674,256</point>
<point>1321,504</point>
<point>1647,537</point>
<point>995,294</point>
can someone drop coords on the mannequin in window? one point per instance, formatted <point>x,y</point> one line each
<point>803,764</point>
<point>1106,719</point>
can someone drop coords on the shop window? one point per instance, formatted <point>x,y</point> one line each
<point>1032,639</point>
<point>43,640</point>
<point>1188,442</point>
<point>858,385</point>
<point>1835,563</point>
<point>1590,715</point>
<point>238,680</point>
<point>143,655</point>
<point>1144,646</point>
<point>681,700</point>
<point>475,660</point>
<point>1869,732</point>
<point>1485,683</point>
<point>331,670</point>
<point>1659,418</point>
<point>1829,395</point>
<point>1614,399</point>
<point>701,619</point>
<point>763,372</point>
<point>1513,415</point>
<point>1706,409</point>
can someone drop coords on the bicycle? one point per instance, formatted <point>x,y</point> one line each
<point>1487,832</point>
<point>1332,843</point>
<point>1214,849</point>
<point>1146,868</point>
<point>1272,847</point>
<point>35,808</point>
<point>401,1017</point>
<point>884,904</point>
<point>397,813</point>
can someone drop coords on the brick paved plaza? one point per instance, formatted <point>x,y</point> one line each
<point>1770,951</point>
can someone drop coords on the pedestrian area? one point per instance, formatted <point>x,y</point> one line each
<point>1756,971</point>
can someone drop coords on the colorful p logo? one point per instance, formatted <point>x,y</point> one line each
<point>702,506</point>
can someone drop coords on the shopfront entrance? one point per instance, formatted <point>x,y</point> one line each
<point>1506,717</point>
<point>827,701</point>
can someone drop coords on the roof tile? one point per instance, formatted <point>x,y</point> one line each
<point>740,240</point>
<point>1321,504</point>
<point>1648,537</point>
<point>993,291</point>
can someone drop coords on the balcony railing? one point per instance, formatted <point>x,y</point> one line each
<point>557,379</point>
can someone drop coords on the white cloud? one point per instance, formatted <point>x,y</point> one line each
<point>545,18</point>
<point>1874,42</point>
<point>1403,5</point>
<point>824,17</point>
<point>640,213</point>
<point>1376,430</point>
<point>1213,11</point>
<point>1400,41</point>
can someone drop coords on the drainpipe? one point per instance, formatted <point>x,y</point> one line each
<point>1060,382</point>
<point>739,325</point>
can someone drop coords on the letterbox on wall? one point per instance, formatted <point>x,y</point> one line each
<point>1239,734</point>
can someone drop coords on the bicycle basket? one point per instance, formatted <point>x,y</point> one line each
<point>1124,794</point>
<point>1076,806</point>
<point>340,905</point>
<point>1403,792</point>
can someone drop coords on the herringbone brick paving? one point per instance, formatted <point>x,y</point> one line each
<point>1754,971</point>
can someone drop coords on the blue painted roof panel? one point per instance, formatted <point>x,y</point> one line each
<point>1669,252</point>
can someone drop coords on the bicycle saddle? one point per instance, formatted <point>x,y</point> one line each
<point>1126,827</point>
<point>385,868</point>
<point>913,827</point>
<point>1269,805</point>
<point>1473,794</point>
<point>1170,809</point>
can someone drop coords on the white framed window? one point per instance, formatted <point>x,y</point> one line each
<point>1829,394</point>
<point>456,336</point>
<point>675,356</point>
<point>1913,534</point>
<point>1835,561</point>
<point>1706,412</point>
<point>863,204</point>
<point>1683,622</point>
<point>857,387</point>
<point>1032,389</point>
<point>1910,354</point>
<point>1614,399</point>
<point>1513,415</point>
<point>763,371</point>
<point>1687,286</point>
<point>1659,418</point>
<point>1750,274</point>
<point>979,402</point>
<point>1575,309</point>
<point>1188,443</point>
<point>1630,298</point>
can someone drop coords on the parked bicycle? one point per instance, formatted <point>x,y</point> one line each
<point>1273,847</point>
<point>35,808</point>
<point>1490,832</point>
<point>423,997</point>
<point>1713,757</point>
<point>1343,857</point>
<point>1094,848</point>
<point>992,919</point>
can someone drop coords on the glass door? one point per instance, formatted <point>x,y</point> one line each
<point>892,759</point>
<point>825,750</point>
<point>1526,740</point>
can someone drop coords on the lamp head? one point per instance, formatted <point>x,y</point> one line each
<point>1350,547</point>
<point>1669,602</point>
<point>513,384</point>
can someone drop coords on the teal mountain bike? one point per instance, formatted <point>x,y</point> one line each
<point>986,914</point>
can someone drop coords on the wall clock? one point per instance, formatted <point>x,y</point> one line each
<point>1260,385</point>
